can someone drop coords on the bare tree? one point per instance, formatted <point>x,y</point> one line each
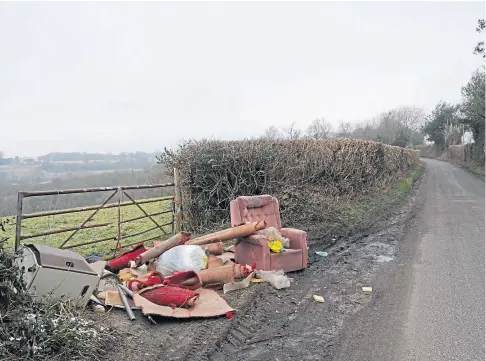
<point>400,126</point>
<point>410,117</point>
<point>272,133</point>
<point>319,129</point>
<point>345,129</point>
<point>293,133</point>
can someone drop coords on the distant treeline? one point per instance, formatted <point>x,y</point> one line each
<point>60,167</point>
<point>75,160</point>
<point>43,169</point>
<point>8,193</point>
<point>76,156</point>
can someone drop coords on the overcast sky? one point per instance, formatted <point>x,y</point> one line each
<point>114,77</point>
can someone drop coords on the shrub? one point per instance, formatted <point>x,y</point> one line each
<point>429,151</point>
<point>465,154</point>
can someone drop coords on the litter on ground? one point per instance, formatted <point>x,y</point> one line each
<point>181,277</point>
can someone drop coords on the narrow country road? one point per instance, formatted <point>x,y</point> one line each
<point>429,304</point>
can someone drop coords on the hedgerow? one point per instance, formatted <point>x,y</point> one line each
<point>307,176</point>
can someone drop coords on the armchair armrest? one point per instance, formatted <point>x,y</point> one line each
<point>297,238</point>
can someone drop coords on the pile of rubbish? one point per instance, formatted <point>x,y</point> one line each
<point>181,277</point>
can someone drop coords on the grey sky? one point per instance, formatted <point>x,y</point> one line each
<point>113,77</point>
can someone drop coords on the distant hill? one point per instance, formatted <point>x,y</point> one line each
<point>75,170</point>
<point>65,165</point>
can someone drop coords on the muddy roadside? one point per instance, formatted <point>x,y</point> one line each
<point>274,324</point>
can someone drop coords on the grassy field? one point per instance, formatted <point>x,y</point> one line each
<point>110,215</point>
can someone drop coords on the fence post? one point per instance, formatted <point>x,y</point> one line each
<point>118,236</point>
<point>177,201</point>
<point>18,225</point>
<point>172,221</point>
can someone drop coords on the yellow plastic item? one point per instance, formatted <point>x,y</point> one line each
<point>275,246</point>
<point>125,274</point>
<point>257,280</point>
<point>319,299</point>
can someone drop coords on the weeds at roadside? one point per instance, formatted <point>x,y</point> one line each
<point>34,331</point>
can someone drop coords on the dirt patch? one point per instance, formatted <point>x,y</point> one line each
<point>279,325</point>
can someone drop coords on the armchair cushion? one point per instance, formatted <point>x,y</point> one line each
<point>257,208</point>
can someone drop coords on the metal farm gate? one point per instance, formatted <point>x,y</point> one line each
<point>118,193</point>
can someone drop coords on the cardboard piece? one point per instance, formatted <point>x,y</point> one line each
<point>209,304</point>
<point>113,299</point>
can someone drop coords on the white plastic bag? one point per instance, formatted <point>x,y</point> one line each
<point>276,278</point>
<point>182,258</point>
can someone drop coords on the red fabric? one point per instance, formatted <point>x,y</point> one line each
<point>187,279</point>
<point>153,279</point>
<point>170,296</point>
<point>122,260</point>
<point>230,314</point>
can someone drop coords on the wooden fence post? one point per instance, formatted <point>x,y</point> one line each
<point>177,201</point>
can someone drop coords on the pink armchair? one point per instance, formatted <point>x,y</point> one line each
<point>254,249</point>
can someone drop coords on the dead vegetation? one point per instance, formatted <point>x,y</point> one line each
<point>33,331</point>
<point>311,178</point>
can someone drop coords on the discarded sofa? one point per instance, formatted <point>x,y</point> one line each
<point>254,248</point>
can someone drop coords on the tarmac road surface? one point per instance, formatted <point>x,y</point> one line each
<point>429,304</point>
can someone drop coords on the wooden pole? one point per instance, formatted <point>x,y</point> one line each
<point>230,233</point>
<point>156,251</point>
<point>177,201</point>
